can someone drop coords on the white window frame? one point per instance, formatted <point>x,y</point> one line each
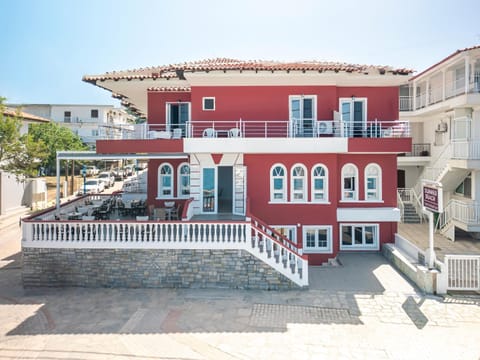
<point>346,191</point>
<point>378,178</point>
<point>208,98</point>
<point>351,101</point>
<point>160,187</point>
<point>289,231</point>
<point>363,245</point>
<point>168,110</point>
<point>317,249</point>
<point>180,186</point>
<point>324,191</point>
<point>293,177</point>
<point>297,123</point>
<point>272,181</point>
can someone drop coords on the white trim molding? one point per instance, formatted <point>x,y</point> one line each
<point>382,214</point>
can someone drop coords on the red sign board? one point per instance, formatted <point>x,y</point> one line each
<point>432,198</point>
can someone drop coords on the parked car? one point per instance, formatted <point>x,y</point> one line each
<point>119,174</point>
<point>92,171</point>
<point>107,179</point>
<point>129,170</point>
<point>92,186</point>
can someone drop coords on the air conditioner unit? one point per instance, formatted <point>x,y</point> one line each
<point>324,127</point>
<point>442,127</point>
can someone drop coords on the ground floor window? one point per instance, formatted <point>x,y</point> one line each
<point>359,236</point>
<point>289,231</point>
<point>317,239</point>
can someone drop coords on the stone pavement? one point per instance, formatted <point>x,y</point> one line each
<point>380,317</point>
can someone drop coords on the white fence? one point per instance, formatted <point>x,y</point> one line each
<point>467,213</point>
<point>463,272</point>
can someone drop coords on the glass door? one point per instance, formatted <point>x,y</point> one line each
<point>353,117</point>
<point>209,199</point>
<point>178,115</point>
<point>302,115</point>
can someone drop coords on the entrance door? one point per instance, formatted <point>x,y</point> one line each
<point>209,199</point>
<point>225,189</point>
<point>401,179</point>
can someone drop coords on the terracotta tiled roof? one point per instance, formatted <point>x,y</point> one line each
<point>225,64</point>
<point>170,89</point>
<point>445,59</point>
<point>23,115</point>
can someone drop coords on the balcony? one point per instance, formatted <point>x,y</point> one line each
<point>268,129</point>
<point>429,94</point>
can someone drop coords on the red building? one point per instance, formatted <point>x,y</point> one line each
<point>308,148</point>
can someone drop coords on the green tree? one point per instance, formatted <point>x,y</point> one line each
<point>19,154</point>
<point>57,138</point>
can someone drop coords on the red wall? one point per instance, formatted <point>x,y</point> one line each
<point>258,187</point>
<point>152,191</point>
<point>157,104</point>
<point>271,102</point>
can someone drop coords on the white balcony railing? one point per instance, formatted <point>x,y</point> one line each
<point>468,149</point>
<point>466,213</point>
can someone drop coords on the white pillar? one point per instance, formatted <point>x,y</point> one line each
<point>430,255</point>
<point>444,85</point>
<point>414,100</point>
<point>467,73</point>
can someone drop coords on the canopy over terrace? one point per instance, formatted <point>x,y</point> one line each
<point>92,155</point>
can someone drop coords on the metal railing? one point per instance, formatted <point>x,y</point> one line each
<point>466,149</point>
<point>421,149</point>
<point>466,213</point>
<point>438,93</point>
<point>408,195</point>
<point>268,129</point>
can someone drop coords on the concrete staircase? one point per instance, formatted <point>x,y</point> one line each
<point>410,216</point>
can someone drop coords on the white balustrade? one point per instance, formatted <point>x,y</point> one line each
<point>469,149</point>
<point>241,235</point>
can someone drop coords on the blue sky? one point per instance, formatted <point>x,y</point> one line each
<point>49,45</point>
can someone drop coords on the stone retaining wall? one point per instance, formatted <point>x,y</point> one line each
<point>149,268</point>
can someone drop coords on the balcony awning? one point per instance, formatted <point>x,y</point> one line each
<point>92,155</point>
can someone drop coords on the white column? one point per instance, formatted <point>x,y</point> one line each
<point>427,93</point>
<point>467,73</point>
<point>430,255</point>
<point>414,100</point>
<point>444,85</point>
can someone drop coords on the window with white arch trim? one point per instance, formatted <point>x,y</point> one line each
<point>165,180</point>
<point>298,191</point>
<point>349,182</point>
<point>373,182</point>
<point>319,183</point>
<point>278,186</point>
<point>183,180</point>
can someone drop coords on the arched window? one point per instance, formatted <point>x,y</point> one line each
<point>183,180</point>
<point>165,180</point>
<point>373,182</point>
<point>319,183</point>
<point>298,191</point>
<point>278,186</point>
<point>349,182</point>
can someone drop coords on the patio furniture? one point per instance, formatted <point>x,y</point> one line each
<point>234,132</point>
<point>209,133</point>
<point>159,214</point>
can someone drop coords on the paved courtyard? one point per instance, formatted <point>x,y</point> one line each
<point>362,309</point>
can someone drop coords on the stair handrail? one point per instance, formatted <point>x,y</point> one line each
<point>274,235</point>
<point>417,203</point>
<point>418,184</point>
<point>444,217</point>
<point>400,204</point>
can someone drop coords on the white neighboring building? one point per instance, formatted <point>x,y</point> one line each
<point>443,106</point>
<point>90,122</point>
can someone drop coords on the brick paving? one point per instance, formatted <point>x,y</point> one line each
<point>363,309</point>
